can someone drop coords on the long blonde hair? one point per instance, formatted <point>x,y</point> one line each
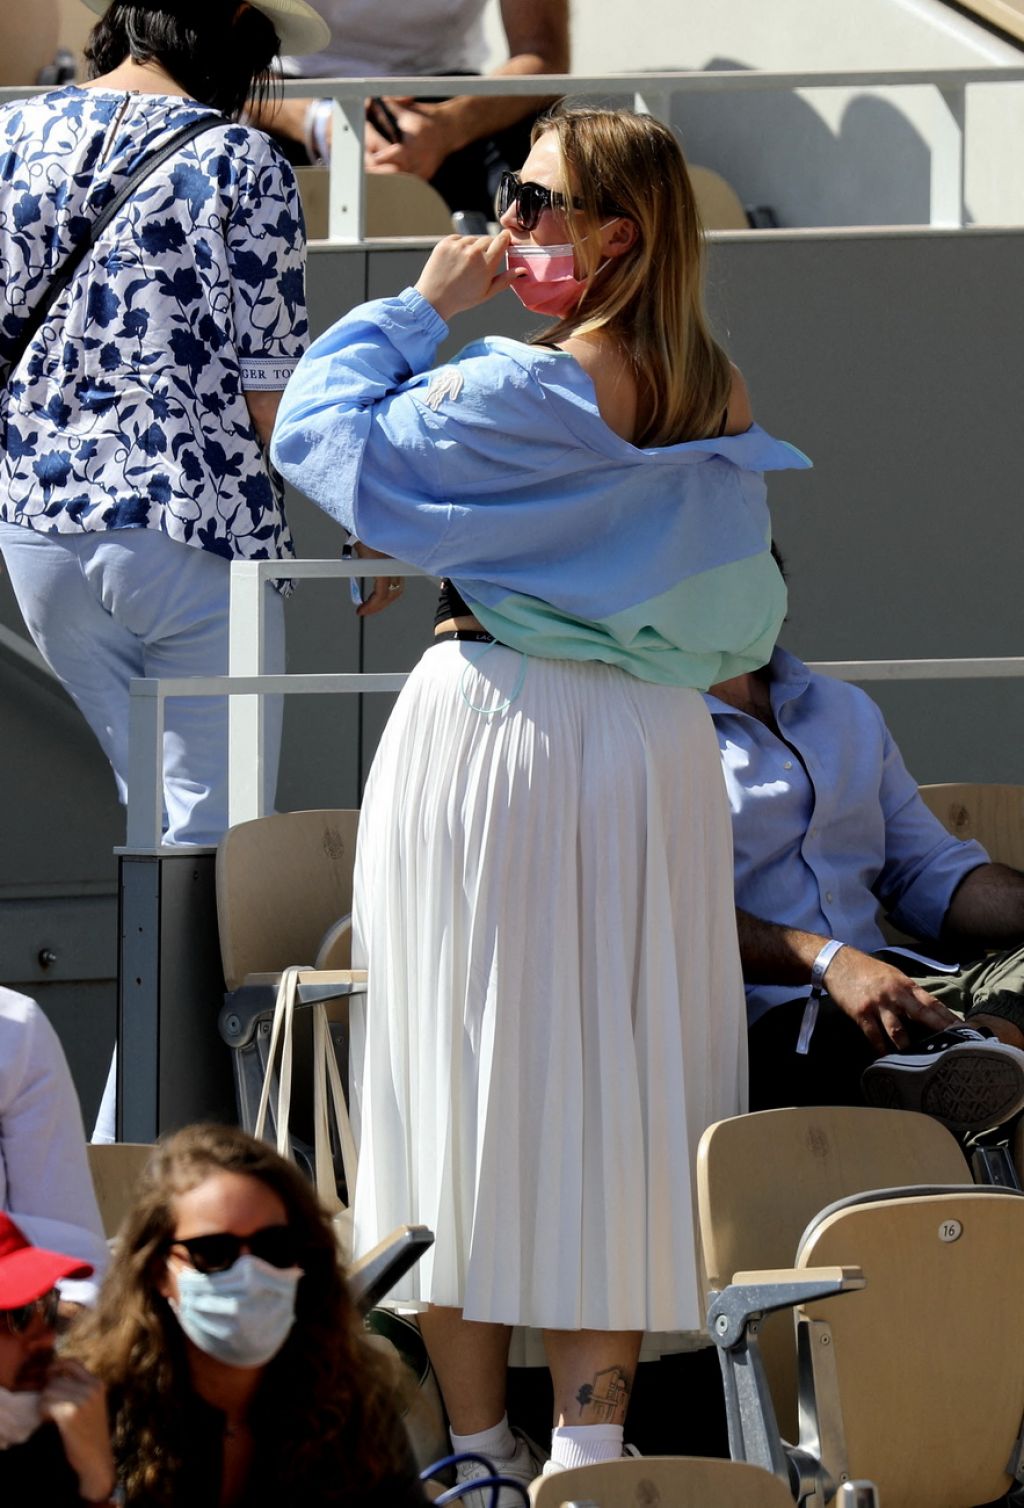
<point>326,1396</point>
<point>650,300</point>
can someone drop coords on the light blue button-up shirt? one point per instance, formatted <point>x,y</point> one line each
<point>498,471</point>
<point>828,825</point>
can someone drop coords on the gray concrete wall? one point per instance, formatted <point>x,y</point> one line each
<point>896,361</point>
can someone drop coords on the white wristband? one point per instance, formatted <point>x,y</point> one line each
<point>314,131</point>
<point>821,963</point>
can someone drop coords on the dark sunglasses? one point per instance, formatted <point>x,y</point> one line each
<point>530,199</point>
<point>19,1320</point>
<point>276,1244</point>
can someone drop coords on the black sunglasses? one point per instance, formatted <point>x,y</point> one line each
<point>530,199</point>
<point>47,1308</point>
<point>276,1244</point>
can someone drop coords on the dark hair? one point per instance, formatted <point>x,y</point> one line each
<point>220,60</point>
<point>327,1396</point>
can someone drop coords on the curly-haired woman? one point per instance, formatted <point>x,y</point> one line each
<point>234,1359</point>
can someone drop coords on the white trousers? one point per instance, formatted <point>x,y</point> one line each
<point>105,608</point>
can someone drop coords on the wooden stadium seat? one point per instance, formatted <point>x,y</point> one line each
<point>718,203</point>
<point>762,1177</point>
<point>282,883</point>
<point>992,814</point>
<point>284,894</point>
<point>662,1482</point>
<point>920,1375</point>
<point>397,204</point>
<point>115,1170</point>
<point>76,22</point>
<point>28,40</point>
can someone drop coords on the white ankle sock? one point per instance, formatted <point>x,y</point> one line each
<point>585,1444</point>
<point>497,1443</point>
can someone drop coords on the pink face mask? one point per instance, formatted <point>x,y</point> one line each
<point>550,285</point>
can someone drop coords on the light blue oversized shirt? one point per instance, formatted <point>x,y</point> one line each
<point>497,470</point>
<point>827,823</point>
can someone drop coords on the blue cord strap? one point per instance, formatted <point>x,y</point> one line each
<point>472,661</point>
<point>494,1482</point>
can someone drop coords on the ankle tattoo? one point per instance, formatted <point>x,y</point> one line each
<point>606,1395</point>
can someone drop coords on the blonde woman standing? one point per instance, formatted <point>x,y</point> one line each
<point>544,873</point>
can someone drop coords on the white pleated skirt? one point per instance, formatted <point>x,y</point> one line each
<point>555,1011</point>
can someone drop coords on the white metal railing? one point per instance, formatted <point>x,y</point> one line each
<point>652,93</point>
<point>246,684</point>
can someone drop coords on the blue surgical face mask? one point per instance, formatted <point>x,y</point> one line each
<point>240,1316</point>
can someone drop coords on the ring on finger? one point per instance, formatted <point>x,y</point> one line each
<point>394,586</point>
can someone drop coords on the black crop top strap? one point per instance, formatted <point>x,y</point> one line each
<point>450,604</point>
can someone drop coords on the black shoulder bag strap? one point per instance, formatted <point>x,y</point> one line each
<point>73,262</point>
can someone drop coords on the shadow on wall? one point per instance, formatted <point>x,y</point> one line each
<point>777,151</point>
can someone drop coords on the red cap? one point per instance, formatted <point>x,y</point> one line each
<point>26,1271</point>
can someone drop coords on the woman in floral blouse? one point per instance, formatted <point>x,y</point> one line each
<point>133,431</point>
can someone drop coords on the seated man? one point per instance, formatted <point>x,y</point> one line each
<point>459,145</point>
<point>828,827</point>
<point>45,1184</point>
<point>54,1441</point>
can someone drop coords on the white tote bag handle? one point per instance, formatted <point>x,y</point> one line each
<point>328,1103</point>
<point>281,1033</point>
<point>328,1098</point>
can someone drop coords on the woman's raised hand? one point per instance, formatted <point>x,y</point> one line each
<point>463,271</point>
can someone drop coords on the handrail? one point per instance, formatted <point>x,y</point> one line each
<point>653,93</point>
<point>246,684</point>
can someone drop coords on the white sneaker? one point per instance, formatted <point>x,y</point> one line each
<point>524,1465</point>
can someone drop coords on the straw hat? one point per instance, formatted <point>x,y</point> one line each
<point>297,24</point>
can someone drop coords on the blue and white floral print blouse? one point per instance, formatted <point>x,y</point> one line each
<point>128,410</point>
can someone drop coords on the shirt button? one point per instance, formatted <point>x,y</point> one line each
<point>828,896</point>
<point>787,764</point>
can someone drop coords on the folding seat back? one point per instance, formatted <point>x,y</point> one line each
<point>115,1170</point>
<point>720,207</point>
<point>282,882</point>
<point>28,40</point>
<point>662,1482</point>
<point>992,814</point>
<point>763,1177</point>
<point>919,1377</point>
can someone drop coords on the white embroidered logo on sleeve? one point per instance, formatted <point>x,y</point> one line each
<point>448,383</point>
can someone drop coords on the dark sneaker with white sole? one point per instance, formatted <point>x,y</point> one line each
<point>965,1078</point>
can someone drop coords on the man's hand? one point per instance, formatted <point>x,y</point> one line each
<point>424,145</point>
<point>881,999</point>
<point>874,994</point>
<point>77,1404</point>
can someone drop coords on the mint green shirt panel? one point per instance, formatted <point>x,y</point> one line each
<point>706,629</point>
